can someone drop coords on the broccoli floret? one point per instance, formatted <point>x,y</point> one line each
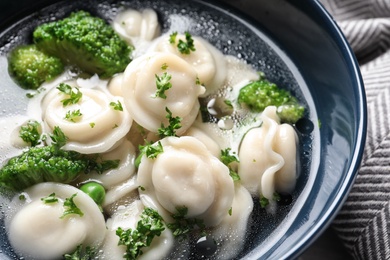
<point>48,163</point>
<point>260,94</point>
<point>85,41</point>
<point>30,67</point>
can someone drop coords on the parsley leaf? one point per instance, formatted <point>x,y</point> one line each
<point>71,207</point>
<point>182,225</point>
<point>73,115</point>
<point>30,133</point>
<point>174,124</point>
<point>58,137</point>
<point>172,38</point>
<point>150,150</point>
<point>163,84</point>
<point>50,199</point>
<point>149,226</point>
<point>184,47</point>
<point>264,202</point>
<point>78,254</point>
<point>74,96</point>
<point>227,159</point>
<point>117,106</point>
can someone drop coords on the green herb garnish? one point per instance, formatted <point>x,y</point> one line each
<point>182,225</point>
<point>78,254</point>
<point>73,116</point>
<point>58,137</point>
<point>227,158</point>
<point>71,207</point>
<point>74,96</point>
<point>163,84</point>
<point>149,226</point>
<point>151,150</point>
<point>50,199</point>
<point>174,124</point>
<point>117,106</point>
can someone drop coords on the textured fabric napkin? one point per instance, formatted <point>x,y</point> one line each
<point>363,224</point>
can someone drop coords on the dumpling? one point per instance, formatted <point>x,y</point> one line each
<point>99,127</point>
<point>127,218</point>
<point>208,61</point>
<point>140,91</point>
<point>186,175</point>
<point>137,24</point>
<point>230,234</point>
<point>268,157</point>
<point>38,230</point>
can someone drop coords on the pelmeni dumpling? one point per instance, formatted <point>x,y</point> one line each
<point>139,88</point>
<point>99,127</point>
<point>268,157</point>
<point>131,24</point>
<point>209,62</point>
<point>186,175</point>
<point>127,218</point>
<point>125,153</point>
<point>38,230</point>
<point>230,234</point>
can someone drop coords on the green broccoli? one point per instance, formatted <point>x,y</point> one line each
<point>259,94</point>
<point>48,163</point>
<point>85,41</point>
<point>30,67</point>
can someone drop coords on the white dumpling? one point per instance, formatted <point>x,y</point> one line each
<point>205,138</point>
<point>125,153</point>
<point>268,157</point>
<point>139,91</point>
<point>230,234</point>
<point>187,175</point>
<point>37,231</point>
<point>127,218</point>
<point>99,128</point>
<point>131,24</point>
<point>209,62</point>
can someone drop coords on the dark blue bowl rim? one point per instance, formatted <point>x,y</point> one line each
<point>361,131</point>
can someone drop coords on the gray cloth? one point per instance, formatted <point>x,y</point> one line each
<point>363,223</point>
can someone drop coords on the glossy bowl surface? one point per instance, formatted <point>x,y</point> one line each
<point>297,45</point>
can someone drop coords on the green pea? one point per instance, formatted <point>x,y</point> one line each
<point>95,190</point>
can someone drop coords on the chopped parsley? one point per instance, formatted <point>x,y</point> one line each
<point>149,226</point>
<point>164,66</point>
<point>172,38</point>
<point>74,96</point>
<point>89,254</point>
<point>30,133</point>
<point>184,47</point>
<point>174,124</point>
<point>264,202</point>
<point>71,207</point>
<point>227,158</point>
<point>117,106</point>
<point>230,211</point>
<point>50,199</point>
<point>58,137</point>
<point>151,150</point>
<point>163,84</point>
<point>92,124</point>
<point>182,225</point>
<point>73,116</point>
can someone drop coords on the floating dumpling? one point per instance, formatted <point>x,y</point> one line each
<point>186,175</point>
<point>92,120</point>
<point>157,82</point>
<point>43,226</point>
<point>137,24</point>
<point>209,62</point>
<point>268,156</point>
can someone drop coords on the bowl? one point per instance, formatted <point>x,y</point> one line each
<point>297,45</point>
